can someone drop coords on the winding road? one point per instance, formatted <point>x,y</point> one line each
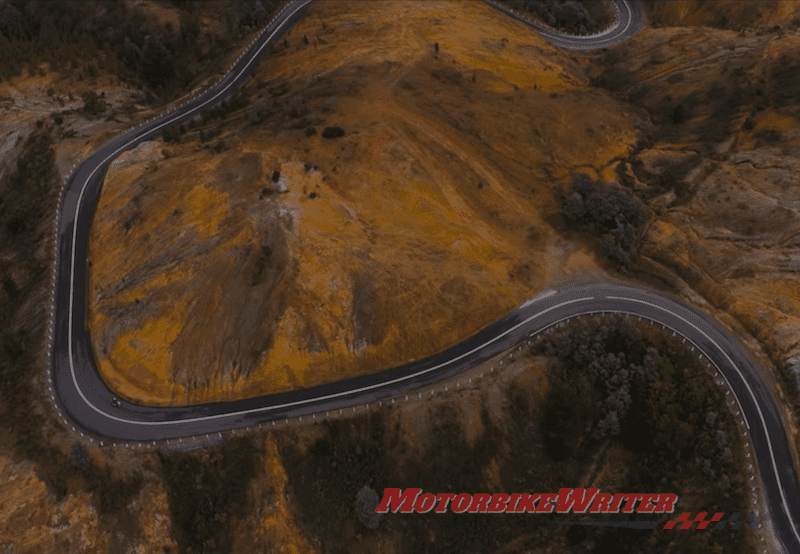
<point>84,402</point>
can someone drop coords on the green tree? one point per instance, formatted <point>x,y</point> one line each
<point>158,64</point>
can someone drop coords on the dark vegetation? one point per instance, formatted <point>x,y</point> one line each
<point>87,36</point>
<point>572,16</point>
<point>238,100</point>
<point>21,206</point>
<point>206,490</point>
<point>367,500</point>
<point>332,132</point>
<point>274,112</point>
<point>666,175</point>
<point>28,199</point>
<point>651,395</point>
<point>364,452</point>
<point>28,192</point>
<point>608,211</point>
<point>671,426</point>
<point>111,495</point>
<point>93,103</point>
<point>275,107</point>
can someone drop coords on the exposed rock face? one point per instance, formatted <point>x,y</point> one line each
<point>736,242</point>
<point>719,166</point>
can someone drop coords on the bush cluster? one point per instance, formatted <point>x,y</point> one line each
<point>21,207</point>
<point>366,502</point>
<point>206,491</point>
<point>93,104</point>
<point>607,211</point>
<point>332,132</point>
<point>238,99</point>
<point>568,15</point>
<point>28,196</point>
<point>646,396</point>
<point>79,457</point>
<point>27,192</point>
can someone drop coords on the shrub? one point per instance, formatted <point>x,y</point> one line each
<point>207,491</point>
<point>610,212</point>
<point>92,103</point>
<point>366,502</point>
<point>79,457</point>
<point>332,132</point>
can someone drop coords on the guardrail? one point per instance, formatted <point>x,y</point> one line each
<point>182,441</point>
<point>192,96</point>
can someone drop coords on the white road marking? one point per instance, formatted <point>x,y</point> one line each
<point>752,395</point>
<point>550,293</point>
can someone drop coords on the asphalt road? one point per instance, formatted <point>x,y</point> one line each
<point>629,19</point>
<point>84,401</point>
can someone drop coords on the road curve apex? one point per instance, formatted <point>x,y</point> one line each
<point>85,401</point>
<point>629,18</point>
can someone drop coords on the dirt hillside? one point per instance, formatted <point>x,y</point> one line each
<point>424,223</point>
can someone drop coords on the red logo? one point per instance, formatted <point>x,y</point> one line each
<point>578,501</point>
